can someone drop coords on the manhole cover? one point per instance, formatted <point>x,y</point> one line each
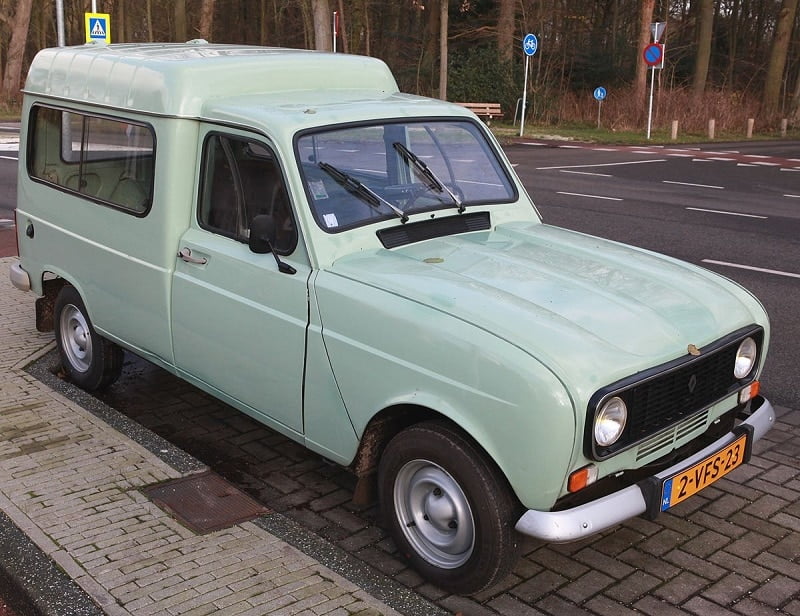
<point>205,502</point>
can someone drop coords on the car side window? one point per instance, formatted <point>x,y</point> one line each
<point>107,160</point>
<point>241,180</point>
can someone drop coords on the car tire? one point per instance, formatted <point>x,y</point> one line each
<point>449,508</point>
<point>89,360</point>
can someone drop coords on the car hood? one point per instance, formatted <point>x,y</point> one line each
<point>592,310</point>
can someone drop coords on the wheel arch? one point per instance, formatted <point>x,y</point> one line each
<point>384,426</point>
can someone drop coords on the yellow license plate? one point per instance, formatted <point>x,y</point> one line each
<point>682,485</point>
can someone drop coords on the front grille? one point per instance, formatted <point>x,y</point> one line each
<point>669,394</point>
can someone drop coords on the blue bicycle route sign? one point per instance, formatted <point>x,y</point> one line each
<point>530,44</point>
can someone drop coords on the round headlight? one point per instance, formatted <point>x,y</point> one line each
<point>610,422</point>
<point>745,358</point>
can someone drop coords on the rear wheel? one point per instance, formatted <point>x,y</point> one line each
<point>89,360</point>
<point>448,507</point>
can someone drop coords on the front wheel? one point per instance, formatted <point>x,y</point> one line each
<point>89,360</point>
<point>449,509</point>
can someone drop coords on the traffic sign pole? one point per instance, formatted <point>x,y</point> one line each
<point>524,97</point>
<point>650,111</point>
<point>599,95</point>
<point>529,45</point>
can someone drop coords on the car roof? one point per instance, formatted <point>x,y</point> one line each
<point>184,79</point>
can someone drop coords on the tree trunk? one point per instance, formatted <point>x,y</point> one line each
<point>505,31</point>
<point>443,29</point>
<point>180,21</point>
<point>703,56</point>
<point>206,19</point>
<point>794,116</point>
<point>322,24</point>
<point>16,51</point>
<point>343,28</point>
<point>777,58</point>
<point>645,19</point>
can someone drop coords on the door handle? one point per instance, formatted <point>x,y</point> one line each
<point>186,255</point>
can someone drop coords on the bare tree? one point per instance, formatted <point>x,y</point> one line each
<point>180,21</point>
<point>505,31</point>
<point>703,54</point>
<point>322,24</point>
<point>16,51</point>
<point>645,19</point>
<point>206,19</point>
<point>443,32</point>
<point>777,58</point>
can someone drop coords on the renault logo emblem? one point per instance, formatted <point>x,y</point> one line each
<point>692,384</point>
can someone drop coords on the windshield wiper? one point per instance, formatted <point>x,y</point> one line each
<point>363,192</point>
<point>434,183</point>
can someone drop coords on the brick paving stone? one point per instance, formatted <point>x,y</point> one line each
<point>702,607</point>
<point>749,545</point>
<point>695,564</point>
<point>508,605</point>
<point>585,587</point>
<point>538,586</point>
<point>681,587</point>
<point>777,591</point>
<point>793,608</point>
<point>705,543</point>
<point>750,607</point>
<point>657,567</point>
<point>653,606</point>
<point>729,589</point>
<point>604,606</point>
<point>559,607</point>
<point>550,559</point>
<point>747,568</point>
<point>636,585</point>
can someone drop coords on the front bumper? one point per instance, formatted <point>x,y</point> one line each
<point>19,277</point>
<point>596,516</point>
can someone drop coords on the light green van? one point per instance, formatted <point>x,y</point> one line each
<point>362,270</point>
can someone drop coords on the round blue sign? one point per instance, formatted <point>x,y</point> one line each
<point>530,44</point>
<point>600,93</point>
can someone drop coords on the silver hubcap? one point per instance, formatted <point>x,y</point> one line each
<point>75,338</point>
<point>434,514</point>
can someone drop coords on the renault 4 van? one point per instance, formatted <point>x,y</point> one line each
<point>362,271</point>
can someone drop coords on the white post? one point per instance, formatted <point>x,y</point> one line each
<point>60,22</point>
<point>599,104</point>
<point>750,124</point>
<point>674,132</point>
<point>712,124</point>
<point>524,97</point>
<point>94,6</point>
<point>335,26</point>
<point>650,111</point>
<point>784,126</point>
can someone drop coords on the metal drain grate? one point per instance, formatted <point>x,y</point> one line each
<point>205,502</point>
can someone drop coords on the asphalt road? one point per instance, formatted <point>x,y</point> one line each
<point>733,208</point>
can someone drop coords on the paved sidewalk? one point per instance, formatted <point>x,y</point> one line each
<point>72,485</point>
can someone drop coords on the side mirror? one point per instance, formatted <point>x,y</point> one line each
<point>262,230</point>
<point>262,233</point>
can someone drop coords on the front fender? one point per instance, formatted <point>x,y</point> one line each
<point>386,350</point>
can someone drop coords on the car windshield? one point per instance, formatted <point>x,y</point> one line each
<point>363,174</point>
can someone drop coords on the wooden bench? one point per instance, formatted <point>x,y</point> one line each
<point>488,111</point>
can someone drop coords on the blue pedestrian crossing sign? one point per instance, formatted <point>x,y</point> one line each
<point>98,27</point>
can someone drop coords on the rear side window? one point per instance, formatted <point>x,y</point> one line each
<point>107,160</point>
